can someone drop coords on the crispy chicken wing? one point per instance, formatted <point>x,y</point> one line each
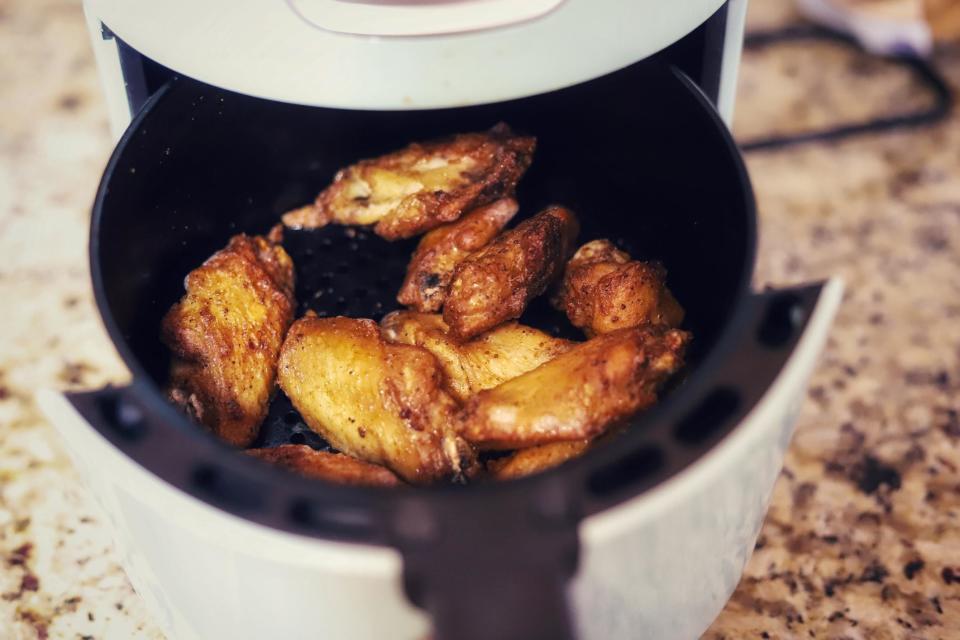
<point>495,284</point>
<point>225,335</point>
<point>532,460</point>
<point>440,251</point>
<point>486,361</point>
<point>381,402</point>
<point>418,188</point>
<point>323,465</point>
<point>604,290</point>
<point>577,394</point>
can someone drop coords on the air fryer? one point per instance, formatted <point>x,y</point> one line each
<point>643,157</point>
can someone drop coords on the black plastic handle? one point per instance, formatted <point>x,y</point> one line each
<point>527,605</point>
<point>491,566</point>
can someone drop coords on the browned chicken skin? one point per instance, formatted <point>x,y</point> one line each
<point>604,290</point>
<point>323,465</point>
<point>578,394</point>
<point>484,362</point>
<point>422,186</point>
<point>532,460</point>
<point>525,462</point>
<point>440,251</point>
<point>381,402</point>
<point>225,335</point>
<point>495,284</point>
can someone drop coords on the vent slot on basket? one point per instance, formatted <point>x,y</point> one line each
<point>125,418</point>
<point>626,472</point>
<point>347,522</point>
<point>223,487</point>
<point>707,418</point>
<point>783,315</point>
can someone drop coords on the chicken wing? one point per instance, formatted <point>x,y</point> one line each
<point>410,191</point>
<point>381,402</point>
<point>440,251</point>
<point>604,290</point>
<point>225,335</point>
<point>486,361</point>
<point>532,460</point>
<point>323,465</point>
<point>577,394</point>
<point>495,284</point>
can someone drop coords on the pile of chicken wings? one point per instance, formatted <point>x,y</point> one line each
<point>453,388</point>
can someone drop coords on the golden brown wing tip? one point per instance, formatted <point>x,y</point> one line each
<point>571,223</point>
<point>532,460</point>
<point>338,468</point>
<point>561,211</point>
<point>674,339</point>
<point>310,216</point>
<point>275,235</point>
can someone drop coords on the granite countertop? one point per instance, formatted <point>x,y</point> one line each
<point>863,535</point>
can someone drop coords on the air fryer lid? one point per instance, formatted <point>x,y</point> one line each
<point>296,51</point>
<point>661,176</point>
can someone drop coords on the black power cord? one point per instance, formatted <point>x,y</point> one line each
<point>921,68</point>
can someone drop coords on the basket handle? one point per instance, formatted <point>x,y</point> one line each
<point>493,566</point>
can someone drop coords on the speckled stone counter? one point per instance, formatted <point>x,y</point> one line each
<point>863,535</point>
